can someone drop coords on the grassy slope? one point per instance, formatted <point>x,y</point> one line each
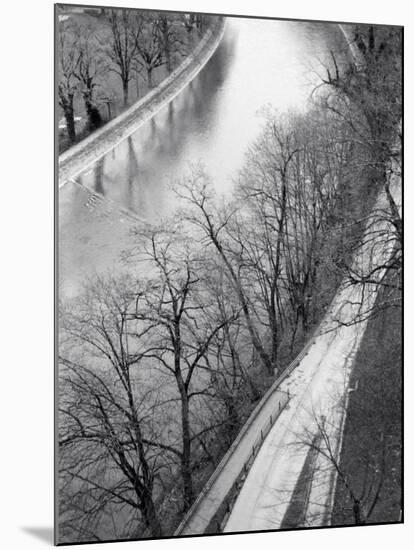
<point>372,438</point>
<point>109,85</point>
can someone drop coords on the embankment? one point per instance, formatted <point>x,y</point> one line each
<point>82,155</point>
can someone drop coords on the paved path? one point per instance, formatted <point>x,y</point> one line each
<point>207,504</point>
<point>318,386</point>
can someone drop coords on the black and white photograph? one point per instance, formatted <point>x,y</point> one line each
<point>205,311</point>
<point>229,274</point>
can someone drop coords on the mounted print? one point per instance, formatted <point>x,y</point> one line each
<point>229,274</point>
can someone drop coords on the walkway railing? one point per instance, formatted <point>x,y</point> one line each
<point>220,518</point>
<point>209,512</point>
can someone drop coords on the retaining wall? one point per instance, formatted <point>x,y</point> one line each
<point>83,154</point>
<point>208,503</point>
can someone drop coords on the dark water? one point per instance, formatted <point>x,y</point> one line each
<point>212,121</point>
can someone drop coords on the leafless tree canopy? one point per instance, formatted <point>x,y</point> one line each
<point>160,367</point>
<point>129,44</point>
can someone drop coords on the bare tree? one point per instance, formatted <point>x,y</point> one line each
<point>151,45</point>
<point>268,241</point>
<point>361,490</point>
<point>376,270</point>
<point>359,438</point>
<point>317,180</point>
<point>180,330</point>
<point>197,192</point>
<point>67,83</point>
<point>126,28</point>
<point>108,467</point>
<point>266,189</point>
<point>90,66</point>
<point>367,93</point>
<point>172,38</point>
<point>232,351</point>
<point>194,20</point>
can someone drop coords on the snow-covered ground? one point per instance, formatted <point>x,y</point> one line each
<point>319,387</point>
<point>316,387</point>
<point>205,507</point>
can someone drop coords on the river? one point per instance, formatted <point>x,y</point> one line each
<point>213,121</point>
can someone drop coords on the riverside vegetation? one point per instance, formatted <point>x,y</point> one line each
<point>161,365</point>
<point>109,58</point>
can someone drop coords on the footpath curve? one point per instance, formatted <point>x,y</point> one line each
<point>79,157</point>
<point>315,383</point>
<point>206,507</point>
<point>326,361</point>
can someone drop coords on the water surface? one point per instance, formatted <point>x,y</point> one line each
<point>213,121</point>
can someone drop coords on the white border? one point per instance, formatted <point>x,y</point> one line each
<point>26,300</point>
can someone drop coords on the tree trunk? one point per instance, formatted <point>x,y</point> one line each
<point>253,390</point>
<point>274,331</point>
<point>167,54</point>
<point>66,102</point>
<point>233,418</point>
<point>150,516</point>
<point>272,368</point>
<point>186,454</point>
<point>199,22</point>
<point>125,91</point>
<point>94,116</point>
<point>70,122</point>
<point>266,359</point>
<point>137,83</point>
<point>356,509</point>
<point>294,331</point>
<point>149,77</point>
<point>185,421</point>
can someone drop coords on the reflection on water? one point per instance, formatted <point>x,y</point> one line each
<point>98,176</point>
<point>213,121</point>
<point>137,172</point>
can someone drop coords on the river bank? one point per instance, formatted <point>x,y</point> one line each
<point>84,154</point>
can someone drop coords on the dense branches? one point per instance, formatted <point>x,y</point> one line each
<point>159,369</point>
<point>105,421</point>
<point>67,81</point>
<point>99,55</point>
<point>269,240</point>
<point>136,385</point>
<point>366,92</point>
<point>126,28</point>
<point>89,67</point>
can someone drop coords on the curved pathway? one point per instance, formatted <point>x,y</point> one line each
<point>319,387</point>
